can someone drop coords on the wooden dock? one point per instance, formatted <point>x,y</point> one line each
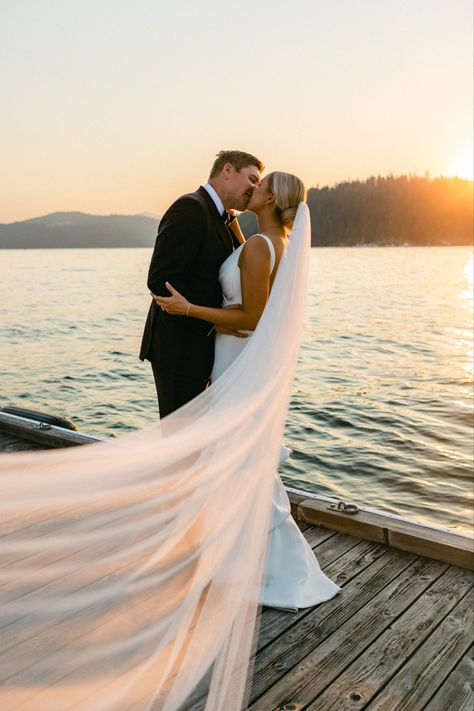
<point>399,637</point>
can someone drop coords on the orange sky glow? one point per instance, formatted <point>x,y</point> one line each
<point>111,107</point>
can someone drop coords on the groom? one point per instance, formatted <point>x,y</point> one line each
<point>193,240</point>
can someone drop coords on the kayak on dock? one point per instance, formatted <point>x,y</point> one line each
<point>39,417</point>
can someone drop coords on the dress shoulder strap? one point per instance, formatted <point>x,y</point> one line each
<point>271,248</point>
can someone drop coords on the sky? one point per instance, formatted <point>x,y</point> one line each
<point>114,106</point>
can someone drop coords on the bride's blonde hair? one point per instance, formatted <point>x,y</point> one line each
<point>289,191</point>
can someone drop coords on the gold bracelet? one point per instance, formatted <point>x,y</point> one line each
<point>189,306</point>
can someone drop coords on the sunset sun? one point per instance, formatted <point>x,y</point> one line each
<point>462,166</point>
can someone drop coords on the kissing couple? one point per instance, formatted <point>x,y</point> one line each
<point>210,287</point>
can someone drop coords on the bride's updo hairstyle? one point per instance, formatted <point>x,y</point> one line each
<point>289,191</point>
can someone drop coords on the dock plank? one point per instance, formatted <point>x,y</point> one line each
<point>315,535</point>
<point>412,687</point>
<point>406,534</point>
<point>456,693</point>
<point>10,443</point>
<point>331,548</point>
<point>358,685</point>
<point>397,638</point>
<point>299,667</point>
<point>354,561</point>
<point>274,623</point>
<point>341,571</point>
<point>284,660</point>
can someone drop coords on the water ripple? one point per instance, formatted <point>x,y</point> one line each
<point>381,410</point>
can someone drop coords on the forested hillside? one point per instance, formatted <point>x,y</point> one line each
<point>389,211</point>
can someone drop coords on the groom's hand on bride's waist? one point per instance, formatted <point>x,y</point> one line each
<point>230,332</point>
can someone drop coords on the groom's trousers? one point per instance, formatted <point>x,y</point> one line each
<point>174,391</point>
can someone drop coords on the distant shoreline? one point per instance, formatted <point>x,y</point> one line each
<point>380,211</point>
<point>313,246</point>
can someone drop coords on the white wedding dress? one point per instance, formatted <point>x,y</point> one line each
<point>293,578</point>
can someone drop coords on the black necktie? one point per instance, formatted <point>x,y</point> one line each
<point>228,218</point>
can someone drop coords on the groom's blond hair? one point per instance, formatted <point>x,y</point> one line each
<point>238,159</point>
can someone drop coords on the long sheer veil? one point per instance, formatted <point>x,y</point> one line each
<point>130,570</point>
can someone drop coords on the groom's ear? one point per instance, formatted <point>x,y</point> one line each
<point>227,169</point>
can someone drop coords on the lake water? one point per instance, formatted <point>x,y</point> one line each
<point>381,412</point>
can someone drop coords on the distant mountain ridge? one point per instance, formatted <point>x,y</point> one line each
<point>64,230</point>
<point>384,211</point>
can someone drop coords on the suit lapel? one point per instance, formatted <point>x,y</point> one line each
<point>222,230</point>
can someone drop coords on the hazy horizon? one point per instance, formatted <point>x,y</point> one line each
<point>110,108</point>
<point>155,215</point>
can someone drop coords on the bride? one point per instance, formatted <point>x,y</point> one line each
<point>293,578</point>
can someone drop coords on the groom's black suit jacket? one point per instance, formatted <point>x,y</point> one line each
<point>191,245</point>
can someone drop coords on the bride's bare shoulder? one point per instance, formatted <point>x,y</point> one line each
<point>255,254</point>
<point>255,245</point>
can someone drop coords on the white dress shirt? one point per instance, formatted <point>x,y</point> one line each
<point>215,197</point>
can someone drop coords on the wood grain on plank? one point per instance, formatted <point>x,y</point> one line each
<point>412,687</point>
<point>341,571</point>
<point>456,693</point>
<point>358,685</point>
<point>328,638</point>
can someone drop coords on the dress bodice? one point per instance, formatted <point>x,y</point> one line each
<point>229,275</point>
<point>228,347</point>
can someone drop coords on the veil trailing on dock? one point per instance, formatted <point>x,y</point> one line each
<point>130,570</point>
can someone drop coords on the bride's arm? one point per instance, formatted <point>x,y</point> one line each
<point>255,282</point>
